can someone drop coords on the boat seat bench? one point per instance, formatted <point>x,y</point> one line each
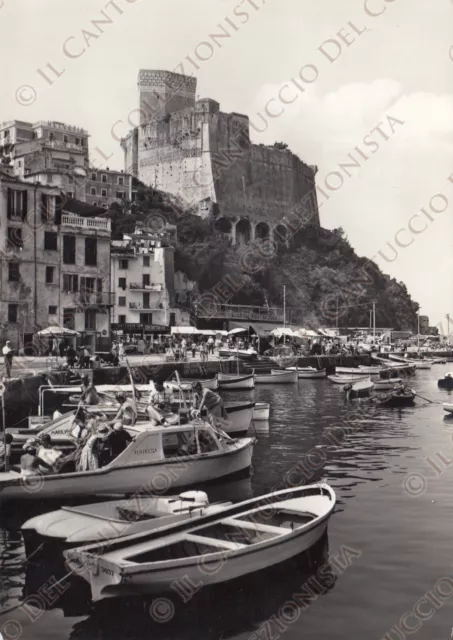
<point>224,544</point>
<point>255,526</point>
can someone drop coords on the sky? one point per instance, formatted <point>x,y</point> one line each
<point>349,65</point>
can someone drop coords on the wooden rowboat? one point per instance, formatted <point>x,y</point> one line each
<point>276,376</point>
<point>308,372</point>
<point>231,381</point>
<point>234,542</point>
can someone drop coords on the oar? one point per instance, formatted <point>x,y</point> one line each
<point>427,399</point>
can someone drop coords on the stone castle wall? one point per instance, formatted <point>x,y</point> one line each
<point>199,153</point>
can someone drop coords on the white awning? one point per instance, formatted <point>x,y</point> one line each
<point>188,331</point>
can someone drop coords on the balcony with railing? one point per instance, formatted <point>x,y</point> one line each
<point>91,224</point>
<point>151,306</point>
<point>239,312</point>
<point>139,286</point>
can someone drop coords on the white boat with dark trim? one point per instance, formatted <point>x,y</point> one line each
<point>158,459</point>
<point>276,376</point>
<point>360,389</point>
<point>387,385</point>
<point>239,540</point>
<point>448,407</point>
<point>261,411</point>
<point>106,520</point>
<point>307,372</point>
<point>337,379</point>
<point>231,381</point>
<point>187,384</point>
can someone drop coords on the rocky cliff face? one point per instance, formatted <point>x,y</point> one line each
<point>325,279</point>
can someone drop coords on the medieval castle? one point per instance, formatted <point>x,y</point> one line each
<point>194,151</point>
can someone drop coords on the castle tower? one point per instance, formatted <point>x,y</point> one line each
<point>163,92</point>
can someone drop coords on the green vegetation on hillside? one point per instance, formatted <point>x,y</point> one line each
<point>320,269</point>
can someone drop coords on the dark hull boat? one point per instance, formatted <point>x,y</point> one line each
<point>398,398</point>
<point>446,382</point>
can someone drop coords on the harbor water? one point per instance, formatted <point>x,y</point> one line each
<point>384,571</point>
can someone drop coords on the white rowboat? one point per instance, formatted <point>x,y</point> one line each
<point>276,377</point>
<point>308,372</point>
<point>237,541</point>
<point>345,379</point>
<point>231,381</point>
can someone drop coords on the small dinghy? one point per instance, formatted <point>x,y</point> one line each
<point>439,361</point>
<point>238,540</point>
<point>361,389</point>
<point>446,382</point>
<point>307,372</point>
<point>231,381</point>
<point>387,385</point>
<point>350,371</point>
<point>106,520</point>
<point>276,376</point>
<point>261,411</point>
<point>187,384</point>
<point>371,371</point>
<point>448,407</point>
<point>400,397</point>
<point>346,379</point>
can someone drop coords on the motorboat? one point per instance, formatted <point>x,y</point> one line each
<point>261,411</point>
<point>158,459</point>
<point>276,376</point>
<point>106,520</point>
<point>236,541</point>
<point>399,397</point>
<point>387,385</point>
<point>232,381</point>
<point>361,389</point>
<point>337,379</point>
<point>307,372</point>
<point>446,382</point>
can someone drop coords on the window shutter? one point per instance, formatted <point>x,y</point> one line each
<point>99,285</point>
<point>65,282</point>
<point>24,204</point>
<point>76,284</point>
<point>10,203</point>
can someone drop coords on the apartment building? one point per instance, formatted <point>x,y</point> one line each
<point>55,266</point>
<point>56,154</point>
<point>104,186</point>
<point>143,279</point>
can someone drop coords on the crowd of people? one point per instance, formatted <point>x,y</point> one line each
<point>98,440</point>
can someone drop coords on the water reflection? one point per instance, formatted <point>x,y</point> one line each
<point>223,611</point>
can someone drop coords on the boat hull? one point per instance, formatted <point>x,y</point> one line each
<point>345,379</point>
<point>104,585</point>
<point>239,417</point>
<point>445,383</point>
<point>277,377</point>
<point>231,382</point>
<point>387,385</point>
<point>309,373</point>
<point>159,476</point>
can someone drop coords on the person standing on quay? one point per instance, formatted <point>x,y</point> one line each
<point>8,358</point>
